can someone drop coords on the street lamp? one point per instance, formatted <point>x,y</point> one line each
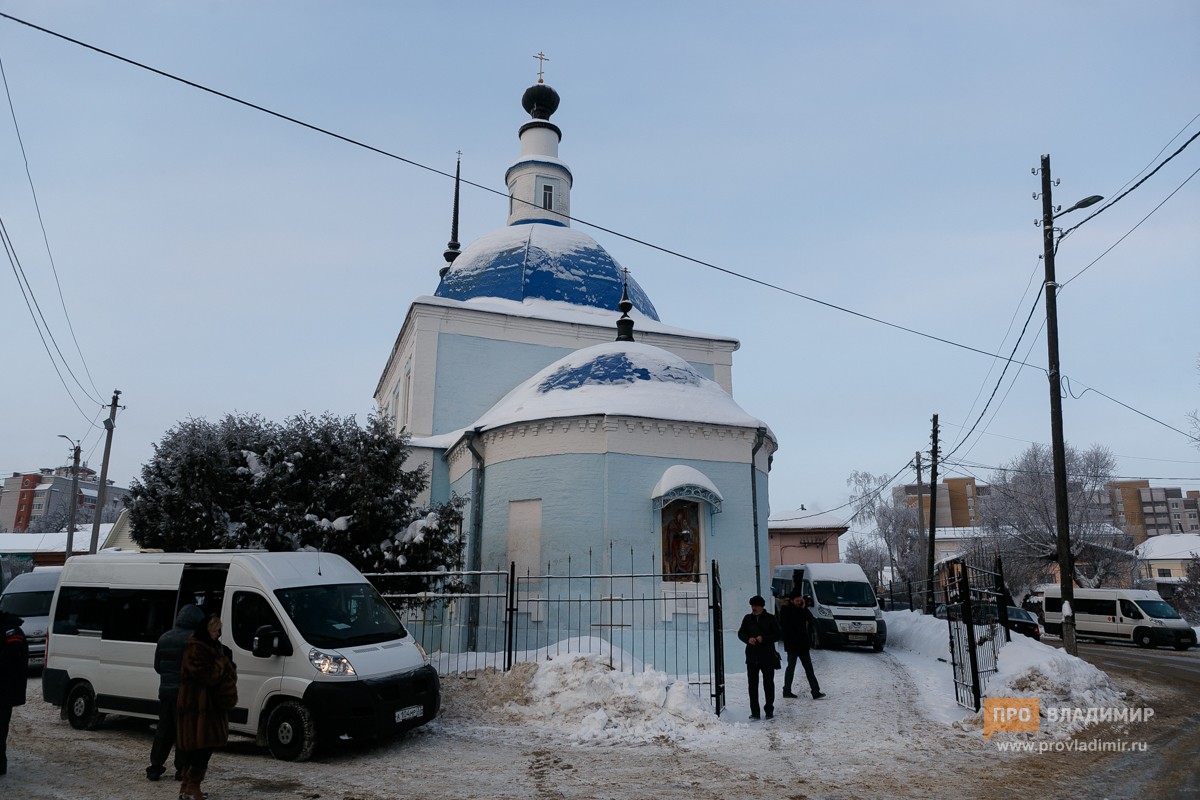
<point>74,497</point>
<point>1061,519</point>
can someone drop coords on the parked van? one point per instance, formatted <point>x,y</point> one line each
<point>841,600</point>
<point>1120,615</point>
<point>28,596</point>
<point>319,652</point>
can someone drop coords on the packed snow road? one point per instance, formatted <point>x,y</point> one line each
<point>573,729</point>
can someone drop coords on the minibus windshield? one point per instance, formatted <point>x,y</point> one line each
<point>1159,609</point>
<point>341,615</point>
<point>27,604</point>
<point>844,593</point>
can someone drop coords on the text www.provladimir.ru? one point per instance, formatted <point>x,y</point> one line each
<point>1074,746</point>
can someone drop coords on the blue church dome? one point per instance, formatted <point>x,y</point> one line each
<point>544,262</point>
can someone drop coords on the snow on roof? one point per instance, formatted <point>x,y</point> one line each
<point>680,475</point>
<point>55,542</point>
<point>1170,545</point>
<point>619,378</point>
<point>560,311</point>
<point>551,262</point>
<point>804,520</point>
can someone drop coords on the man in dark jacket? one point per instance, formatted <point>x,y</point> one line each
<point>796,621</point>
<point>14,673</point>
<point>760,631</point>
<point>168,655</point>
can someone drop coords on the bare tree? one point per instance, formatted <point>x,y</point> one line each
<point>896,526</point>
<point>871,555</point>
<point>1020,524</point>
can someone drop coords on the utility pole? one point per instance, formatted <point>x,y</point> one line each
<point>920,499</point>
<point>930,605</point>
<point>74,499</point>
<point>109,424</point>
<point>1061,519</point>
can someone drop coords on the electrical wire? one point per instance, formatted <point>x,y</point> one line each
<point>45,238</point>
<point>31,303</point>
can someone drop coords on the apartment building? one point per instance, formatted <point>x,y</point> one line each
<point>1143,511</point>
<point>958,501</point>
<point>27,497</point>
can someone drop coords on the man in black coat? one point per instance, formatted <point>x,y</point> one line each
<point>14,674</point>
<point>796,621</point>
<point>760,631</point>
<point>168,655</point>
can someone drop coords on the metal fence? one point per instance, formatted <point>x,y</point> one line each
<point>975,606</point>
<point>636,620</point>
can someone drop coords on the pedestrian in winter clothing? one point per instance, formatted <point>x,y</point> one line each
<point>14,673</point>
<point>796,621</point>
<point>760,631</point>
<point>168,656</point>
<point>207,691</point>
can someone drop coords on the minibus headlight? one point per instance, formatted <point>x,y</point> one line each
<point>1157,622</point>
<point>823,611</point>
<point>421,650</point>
<point>329,664</point>
<point>878,613</point>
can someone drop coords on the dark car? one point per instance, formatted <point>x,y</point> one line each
<point>1021,621</point>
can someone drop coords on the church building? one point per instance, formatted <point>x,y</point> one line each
<point>539,383</point>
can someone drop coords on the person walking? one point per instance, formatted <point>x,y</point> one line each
<point>14,675</point>
<point>760,631</point>
<point>207,691</point>
<point>796,621</point>
<point>168,656</point>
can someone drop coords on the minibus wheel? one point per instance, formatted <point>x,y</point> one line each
<point>291,732</point>
<point>1143,638</point>
<point>81,707</point>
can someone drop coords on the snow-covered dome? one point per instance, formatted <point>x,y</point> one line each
<point>620,378</point>
<point>541,261</point>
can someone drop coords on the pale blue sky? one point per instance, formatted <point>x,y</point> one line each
<point>874,156</point>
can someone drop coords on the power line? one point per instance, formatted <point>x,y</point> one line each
<point>46,239</point>
<point>411,162</point>
<point>27,294</point>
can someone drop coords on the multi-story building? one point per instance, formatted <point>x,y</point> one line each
<point>28,497</point>
<point>1143,511</point>
<point>958,501</point>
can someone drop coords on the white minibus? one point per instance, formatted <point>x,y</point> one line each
<point>1120,615</point>
<point>320,654</point>
<point>841,600</point>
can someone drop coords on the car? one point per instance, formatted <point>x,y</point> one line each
<point>1021,621</point>
<point>28,596</point>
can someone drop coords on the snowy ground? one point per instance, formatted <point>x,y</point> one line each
<point>572,728</point>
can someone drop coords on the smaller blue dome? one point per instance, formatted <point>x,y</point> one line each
<point>541,261</point>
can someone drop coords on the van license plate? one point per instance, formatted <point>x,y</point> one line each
<point>412,712</point>
<point>857,638</point>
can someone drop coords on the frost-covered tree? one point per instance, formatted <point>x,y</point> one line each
<point>323,483</point>
<point>896,526</point>
<point>1020,518</point>
<point>1187,594</point>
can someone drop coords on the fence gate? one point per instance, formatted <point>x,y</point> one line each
<point>718,643</point>
<point>975,607</point>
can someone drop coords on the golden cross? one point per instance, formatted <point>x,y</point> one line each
<point>541,57</point>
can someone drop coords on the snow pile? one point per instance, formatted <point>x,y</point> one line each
<point>581,697</point>
<point>919,634</point>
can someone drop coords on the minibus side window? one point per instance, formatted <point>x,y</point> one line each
<point>1128,609</point>
<point>81,609</point>
<point>1054,605</point>
<point>250,612</point>
<point>136,615</point>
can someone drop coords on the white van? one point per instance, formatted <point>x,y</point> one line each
<point>1120,615</point>
<point>841,600</point>
<point>28,596</point>
<point>319,652</point>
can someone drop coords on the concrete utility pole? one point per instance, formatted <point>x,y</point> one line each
<point>930,605</point>
<point>109,424</point>
<point>74,498</point>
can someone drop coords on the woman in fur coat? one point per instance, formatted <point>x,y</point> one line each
<point>207,691</point>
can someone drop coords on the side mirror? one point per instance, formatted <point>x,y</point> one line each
<point>270,641</point>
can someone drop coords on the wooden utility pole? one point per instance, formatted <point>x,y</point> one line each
<point>933,493</point>
<point>1058,444</point>
<point>920,499</point>
<point>109,424</point>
